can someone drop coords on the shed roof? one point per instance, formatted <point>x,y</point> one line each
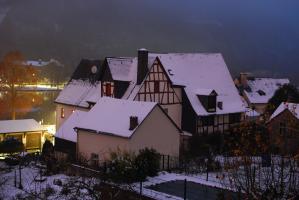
<point>21,125</point>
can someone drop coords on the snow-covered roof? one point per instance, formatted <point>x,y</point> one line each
<point>112,116</point>
<point>205,92</point>
<point>66,131</point>
<point>262,89</point>
<point>123,68</point>
<point>251,113</point>
<point>22,125</point>
<point>79,92</point>
<point>199,71</point>
<point>293,107</point>
<point>37,63</point>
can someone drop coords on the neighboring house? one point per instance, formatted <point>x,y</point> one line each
<point>27,131</point>
<point>195,89</point>
<point>83,86</point>
<point>66,137</point>
<point>284,127</point>
<point>115,124</point>
<point>258,91</point>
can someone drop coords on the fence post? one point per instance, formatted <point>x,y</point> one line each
<point>163,162</point>
<point>20,176</point>
<point>185,189</point>
<point>15,178</point>
<point>140,188</point>
<point>168,169</point>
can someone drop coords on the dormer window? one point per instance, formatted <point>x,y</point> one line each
<point>208,99</point>
<point>261,92</point>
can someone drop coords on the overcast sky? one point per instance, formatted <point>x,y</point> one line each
<point>261,36</point>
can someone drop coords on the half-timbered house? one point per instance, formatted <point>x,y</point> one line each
<point>210,101</point>
<point>142,79</point>
<point>195,89</point>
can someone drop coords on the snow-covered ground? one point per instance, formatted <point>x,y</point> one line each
<point>28,174</point>
<point>9,191</point>
<point>214,180</point>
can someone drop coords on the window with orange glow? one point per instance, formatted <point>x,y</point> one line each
<point>62,113</point>
<point>108,89</point>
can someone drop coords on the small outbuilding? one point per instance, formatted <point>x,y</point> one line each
<point>284,128</point>
<point>28,131</point>
<point>115,124</point>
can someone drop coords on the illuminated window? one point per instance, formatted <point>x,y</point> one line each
<point>156,86</point>
<point>62,113</point>
<point>108,89</point>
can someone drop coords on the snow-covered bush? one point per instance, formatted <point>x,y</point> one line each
<point>148,162</point>
<point>126,167</point>
<point>122,168</point>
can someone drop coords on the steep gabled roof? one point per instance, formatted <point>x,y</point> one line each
<point>123,68</point>
<point>197,71</point>
<point>86,70</point>
<point>292,107</point>
<point>66,131</point>
<point>262,89</point>
<point>22,125</point>
<point>112,116</point>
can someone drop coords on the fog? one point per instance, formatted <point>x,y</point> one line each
<point>256,36</point>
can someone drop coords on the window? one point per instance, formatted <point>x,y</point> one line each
<point>108,89</point>
<point>208,120</point>
<point>212,103</point>
<point>62,113</point>
<point>156,86</point>
<point>261,92</point>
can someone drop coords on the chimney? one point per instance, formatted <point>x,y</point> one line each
<point>244,80</point>
<point>133,122</point>
<point>142,67</point>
